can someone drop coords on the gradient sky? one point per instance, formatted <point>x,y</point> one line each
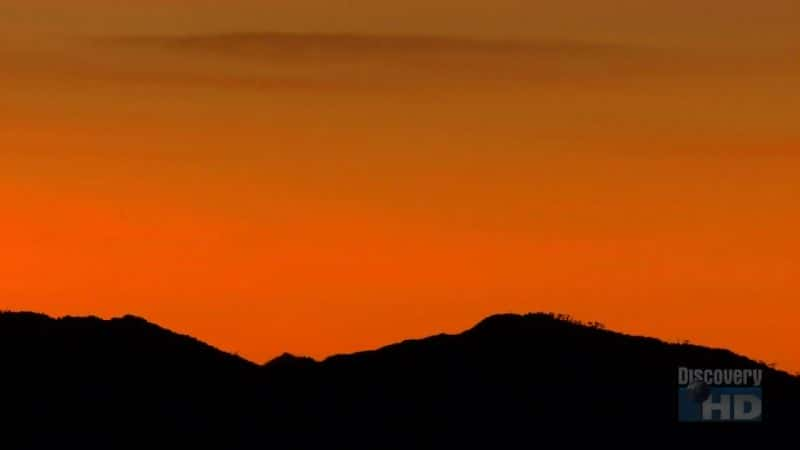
<point>323,177</point>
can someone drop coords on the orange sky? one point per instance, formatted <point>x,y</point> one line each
<point>324,193</point>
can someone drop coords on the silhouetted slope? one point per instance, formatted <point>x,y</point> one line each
<point>512,381</point>
<point>106,383</point>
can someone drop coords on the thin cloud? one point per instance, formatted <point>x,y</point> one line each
<point>363,44</point>
<point>352,61</point>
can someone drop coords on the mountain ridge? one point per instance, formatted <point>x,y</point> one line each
<point>89,382</point>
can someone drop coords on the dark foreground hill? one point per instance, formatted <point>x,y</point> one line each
<point>510,382</point>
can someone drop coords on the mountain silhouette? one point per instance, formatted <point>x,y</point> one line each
<point>512,381</point>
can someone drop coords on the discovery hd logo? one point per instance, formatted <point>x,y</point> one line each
<point>719,395</point>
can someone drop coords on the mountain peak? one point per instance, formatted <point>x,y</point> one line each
<point>509,322</point>
<point>290,361</point>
